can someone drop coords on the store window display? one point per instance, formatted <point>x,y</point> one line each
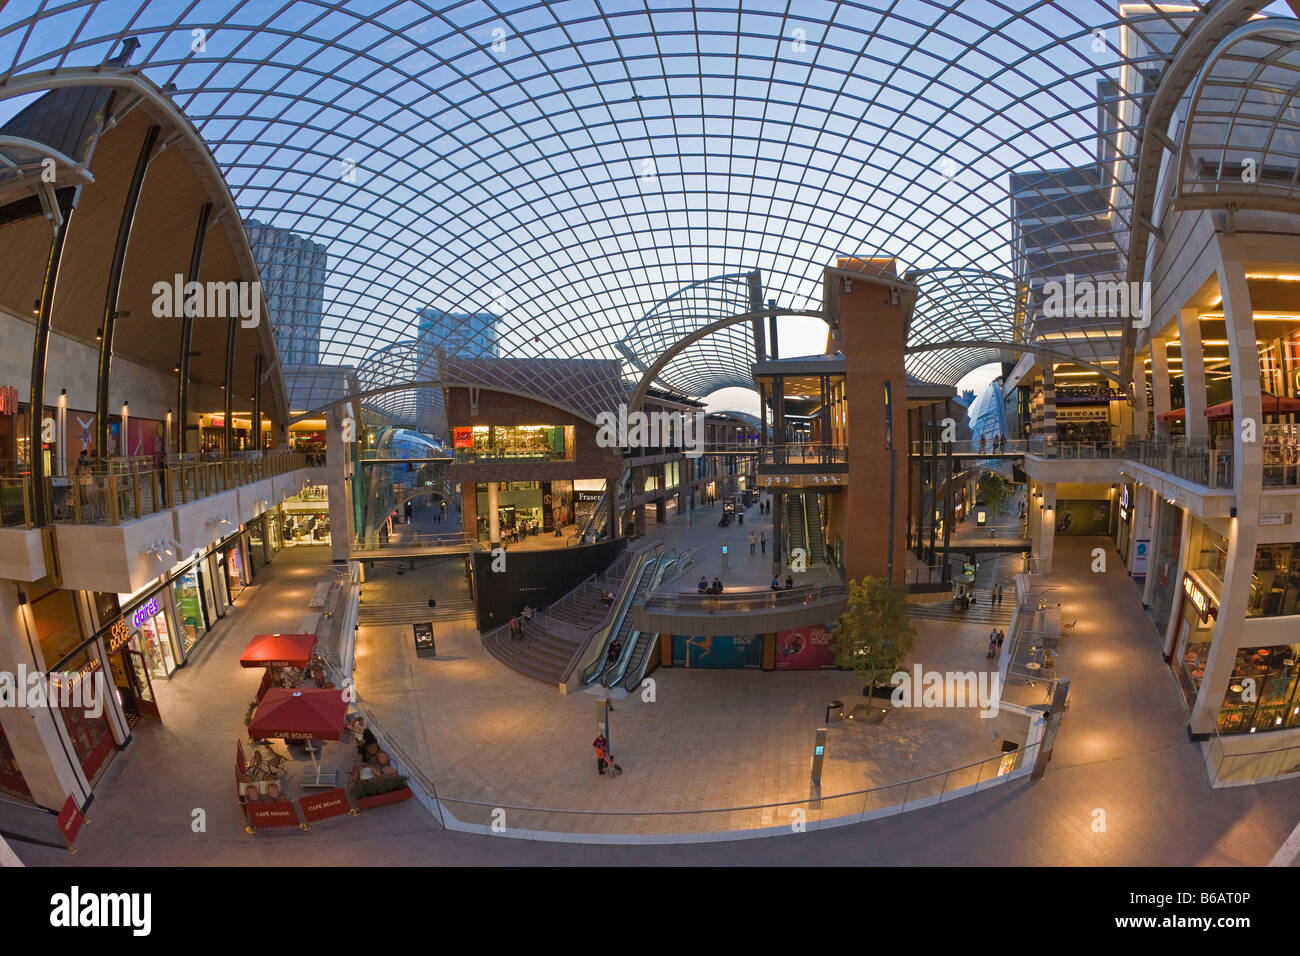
<point>1264,693</point>
<point>190,617</point>
<point>152,638</point>
<point>1275,586</point>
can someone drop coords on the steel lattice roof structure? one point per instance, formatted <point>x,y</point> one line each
<point>601,175</point>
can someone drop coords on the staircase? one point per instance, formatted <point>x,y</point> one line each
<point>556,634</point>
<point>378,615</point>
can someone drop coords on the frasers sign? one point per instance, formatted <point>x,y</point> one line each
<point>1200,598</point>
<point>145,611</point>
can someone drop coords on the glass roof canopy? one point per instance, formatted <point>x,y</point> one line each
<point>572,167</point>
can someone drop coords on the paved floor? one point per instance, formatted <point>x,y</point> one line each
<point>1125,786</point>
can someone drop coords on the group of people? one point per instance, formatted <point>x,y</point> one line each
<point>998,443</point>
<point>704,587</point>
<point>605,764</point>
<point>765,506</point>
<point>519,624</point>
<point>777,586</point>
<point>371,760</point>
<point>760,540</point>
<point>996,638</point>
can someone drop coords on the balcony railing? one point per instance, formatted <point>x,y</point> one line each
<point>692,602</point>
<point>474,455</point>
<point>121,490</point>
<point>801,454</point>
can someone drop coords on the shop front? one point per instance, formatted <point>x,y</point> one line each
<point>1198,610</point>
<point>255,538</point>
<point>192,598</point>
<point>11,775</point>
<point>1264,693</point>
<point>304,519</point>
<point>150,635</point>
<point>1164,564</point>
<point>91,734</point>
<point>1124,524</point>
<point>234,576</point>
<point>520,505</point>
<point>586,500</point>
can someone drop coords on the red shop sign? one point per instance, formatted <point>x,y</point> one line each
<point>70,820</point>
<point>278,814</point>
<point>321,806</point>
<point>8,400</point>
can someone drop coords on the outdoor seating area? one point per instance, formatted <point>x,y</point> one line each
<point>299,707</point>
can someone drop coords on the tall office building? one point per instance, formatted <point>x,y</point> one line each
<point>466,334</point>
<point>292,269</point>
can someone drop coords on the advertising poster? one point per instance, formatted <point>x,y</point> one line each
<point>720,652</point>
<point>805,649</point>
<point>1141,555</point>
<point>1082,516</point>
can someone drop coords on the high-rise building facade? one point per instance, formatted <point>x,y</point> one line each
<point>293,270</point>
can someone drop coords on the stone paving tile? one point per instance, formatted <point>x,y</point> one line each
<point>1122,748</point>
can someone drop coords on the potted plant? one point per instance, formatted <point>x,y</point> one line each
<point>378,791</point>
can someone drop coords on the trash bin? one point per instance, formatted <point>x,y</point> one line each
<point>834,710</point>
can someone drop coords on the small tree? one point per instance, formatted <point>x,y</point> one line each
<point>993,490</point>
<point>874,636</point>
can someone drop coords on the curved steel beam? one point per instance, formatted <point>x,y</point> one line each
<point>430,383</point>
<point>1015,347</point>
<point>1217,20</point>
<point>651,373</point>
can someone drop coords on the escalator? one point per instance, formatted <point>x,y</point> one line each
<point>814,533</point>
<point>794,524</point>
<point>598,524</point>
<point>626,633</point>
<point>638,657</point>
<point>642,578</point>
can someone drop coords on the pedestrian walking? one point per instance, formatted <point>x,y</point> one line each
<point>993,648</point>
<point>762,541</point>
<point>740,517</point>
<point>1002,636</point>
<point>514,629</point>
<point>752,541</point>
<point>599,745</point>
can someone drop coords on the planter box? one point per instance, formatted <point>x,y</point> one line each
<point>395,796</point>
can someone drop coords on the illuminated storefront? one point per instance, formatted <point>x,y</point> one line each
<point>526,442</point>
<point>1195,629</point>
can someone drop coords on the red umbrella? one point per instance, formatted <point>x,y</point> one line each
<point>1173,415</point>
<point>300,715</point>
<point>279,650</point>
<point>1271,405</point>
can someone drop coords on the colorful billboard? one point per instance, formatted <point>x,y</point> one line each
<point>719,652</point>
<point>806,648</point>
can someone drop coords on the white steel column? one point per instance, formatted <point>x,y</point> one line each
<point>1140,427</point>
<point>1189,334</point>
<point>1160,385</point>
<point>1247,464</point>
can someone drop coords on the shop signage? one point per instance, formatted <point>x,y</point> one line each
<point>462,437</point>
<point>118,635</point>
<point>70,820</point>
<point>8,400</point>
<point>1200,598</point>
<point>588,497</point>
<point>1084,413</point>
<point>145,611</point>
<point>1281,517</point>
<point>320,806</point>
<point>424,644</point>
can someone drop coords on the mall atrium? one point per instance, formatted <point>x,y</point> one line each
<point>383,385</point>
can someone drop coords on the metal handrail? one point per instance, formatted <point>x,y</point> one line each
<point>1023,768</point>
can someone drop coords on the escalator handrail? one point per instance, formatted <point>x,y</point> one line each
<point>594,665</point>
<point>634,635</point>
